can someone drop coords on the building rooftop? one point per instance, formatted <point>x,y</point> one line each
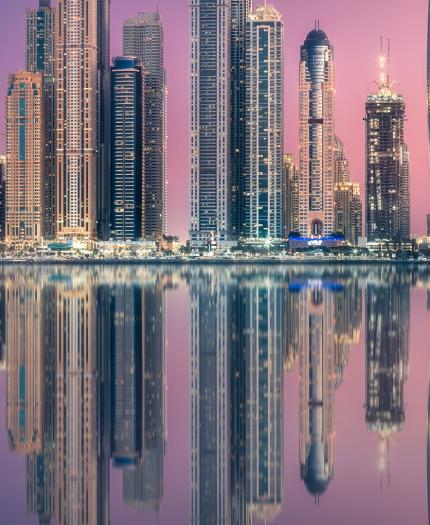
<point>317,37</point>
<point>265,13</point>
<point>144,19</point>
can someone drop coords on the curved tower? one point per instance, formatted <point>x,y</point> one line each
<point>317,137</point>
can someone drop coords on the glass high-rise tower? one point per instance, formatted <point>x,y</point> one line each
<point>143,37</point>
<point>82,73</point>
<point>25,158</point>
<point>127,149</point>
<point>317,135</point>
<point>40,56</point>
<point>387,166</point>
<point>263,213</point>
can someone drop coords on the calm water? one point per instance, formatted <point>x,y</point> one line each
<point>214,395</point>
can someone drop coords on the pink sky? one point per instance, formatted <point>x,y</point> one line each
<point>354,27</point>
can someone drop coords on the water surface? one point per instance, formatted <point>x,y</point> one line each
<point>214,395</point>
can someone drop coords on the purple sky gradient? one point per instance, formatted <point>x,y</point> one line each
<point>354,29</point>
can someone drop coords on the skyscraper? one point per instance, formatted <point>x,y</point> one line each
<point>263,213</point>
<point>143,37</point>
<point>240,10</point>
<point>127,149</point>
<point>347,199</point>
<point>405,194</point>
<point>317,135</point>
<point>387,159</point>
<point>348,211</point>
<point>40,56</point>
<point>82,166</point>
<point>291,193</point>
<point>2,197</point>
<point>210,121</point>
<point>25,163</point>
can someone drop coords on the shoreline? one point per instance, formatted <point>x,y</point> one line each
<point>216,261</point>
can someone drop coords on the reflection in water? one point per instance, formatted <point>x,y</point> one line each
<point>84,354</point>
<point>387,358</point>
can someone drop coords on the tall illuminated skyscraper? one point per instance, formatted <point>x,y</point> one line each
<point>2,197</point>
<point>387,164</point>
<point>82,109</point>
<point>348,215</point>
<point>240,10</point>
<point>127,149</point>
<point>210,121</point>
<point>317,135</point>
<point>143,37</point>
<point>40,56</point>
<point>291,193</point>
<point>25,158</point>
<point>263,213</point>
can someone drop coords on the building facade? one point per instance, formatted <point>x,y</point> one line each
<point>40,56</point>
<point>348,211</point>
<point>2,197</point>
<point>127,149</point>
<point>387,167</point>
<point>82,67</point>
<point>263,213</point>
<point>143,37</point>
<point>25,158</point>
<point>291,195</point>
<point>317,135</point>
<point>210,121</point>
<point>240,11</point>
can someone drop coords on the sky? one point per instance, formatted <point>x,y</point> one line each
<point>353,27</point>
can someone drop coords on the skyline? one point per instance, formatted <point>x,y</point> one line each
<point>406,28</point>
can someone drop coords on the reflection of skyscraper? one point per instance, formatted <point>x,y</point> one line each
<point>317,384</point>
<point>2,325</point>
<point>387,350</point>
<point>210,421</point>
<point>40,59</point>
<point>263,324</point>
<point>143,484</point>
<point>24,365</point>
<point>79,483</point>
<point>263,213</point>
<point>41,465</point>
<point>126,375</point>
<point>317,139</point>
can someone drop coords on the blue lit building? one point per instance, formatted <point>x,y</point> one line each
<point>127,146</point>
